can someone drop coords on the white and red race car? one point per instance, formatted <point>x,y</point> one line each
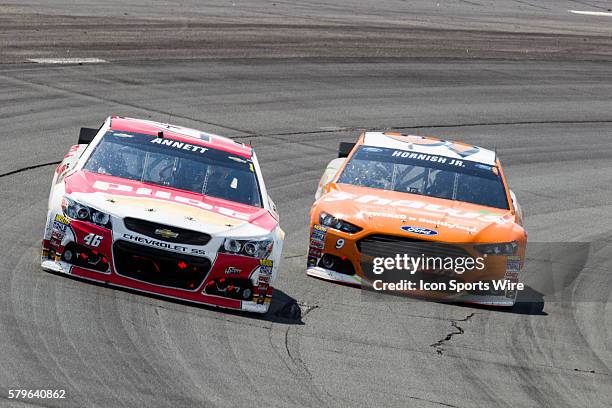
<point>165,210</point>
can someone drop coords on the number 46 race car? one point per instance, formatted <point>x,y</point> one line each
<point>165,210</point>
<point>421,216</point>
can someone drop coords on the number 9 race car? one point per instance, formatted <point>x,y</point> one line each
<point>426,202</point>
<point>165,210</point>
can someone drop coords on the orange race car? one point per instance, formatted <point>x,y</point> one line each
<point>418,215</point>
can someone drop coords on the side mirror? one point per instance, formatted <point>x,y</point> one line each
<point>86,135</point>
<point>517,207</point>
<point>345,148</point>
<point>328,175</point>
<point>273,206</point>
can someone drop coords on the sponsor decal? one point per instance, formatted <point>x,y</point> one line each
<point>61,169</point>
<point>57,236</point>
<point>427,157</point>
<point>265,270</point>
<point>62,219</point>
<point>462,150</point>
<point>166,195</point>
<point>513,276</point>
<point>318,232</point>
<point>318,235</point>
<point>163,245</point>
<point>315,243</point>
<point>179,145</point>
<point>484,216</point>
<point>232,271</point>
<point>418,230</point>
<point>263,282</point>
<point>513,264</point>
<point>457,148</point>
<point>315,252</point>
<point>58,226</point>
<point>421,220</point>
<point>266,262</point>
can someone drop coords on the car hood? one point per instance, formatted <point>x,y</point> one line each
<point>389,212</point>
<point>128,198</point>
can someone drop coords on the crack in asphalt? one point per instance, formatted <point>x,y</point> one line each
<point>444,404</point>
<point>455,323</point>
<point>449,125</point>
<point>35,166</point>
<point>294,256</point>
<point>587,371</point>
<point>306,308</point>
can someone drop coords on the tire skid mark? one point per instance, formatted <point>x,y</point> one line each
<point>299,367</point>
<point>64,324</point>
<point>230,341</point>
<point>539,391</point>
<point>291,346</point>
<point>124,343</point>
<point>29,356</point>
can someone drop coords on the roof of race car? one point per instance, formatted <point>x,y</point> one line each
<point>430,145</point>
<point>184,134</point>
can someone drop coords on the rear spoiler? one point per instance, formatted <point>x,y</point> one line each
<point>86,135</point>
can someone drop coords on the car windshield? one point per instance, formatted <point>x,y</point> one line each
<point>176,164</point>
<point>425,174</point>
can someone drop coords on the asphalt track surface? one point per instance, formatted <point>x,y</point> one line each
<point>294,79</point>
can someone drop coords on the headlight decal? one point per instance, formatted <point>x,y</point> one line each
<point>504,248</point>
<point>78,211</point>
<point>248,247</point>
<point>330,221</point>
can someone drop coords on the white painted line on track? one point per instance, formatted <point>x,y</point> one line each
<point>592,13</point>
<point>331,128</point>
<point>67,60</point>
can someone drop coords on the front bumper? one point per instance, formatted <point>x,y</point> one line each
<point>348,270</point>
<point>223,280</point>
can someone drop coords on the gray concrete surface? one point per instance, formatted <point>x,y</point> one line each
<point>549,117</point>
